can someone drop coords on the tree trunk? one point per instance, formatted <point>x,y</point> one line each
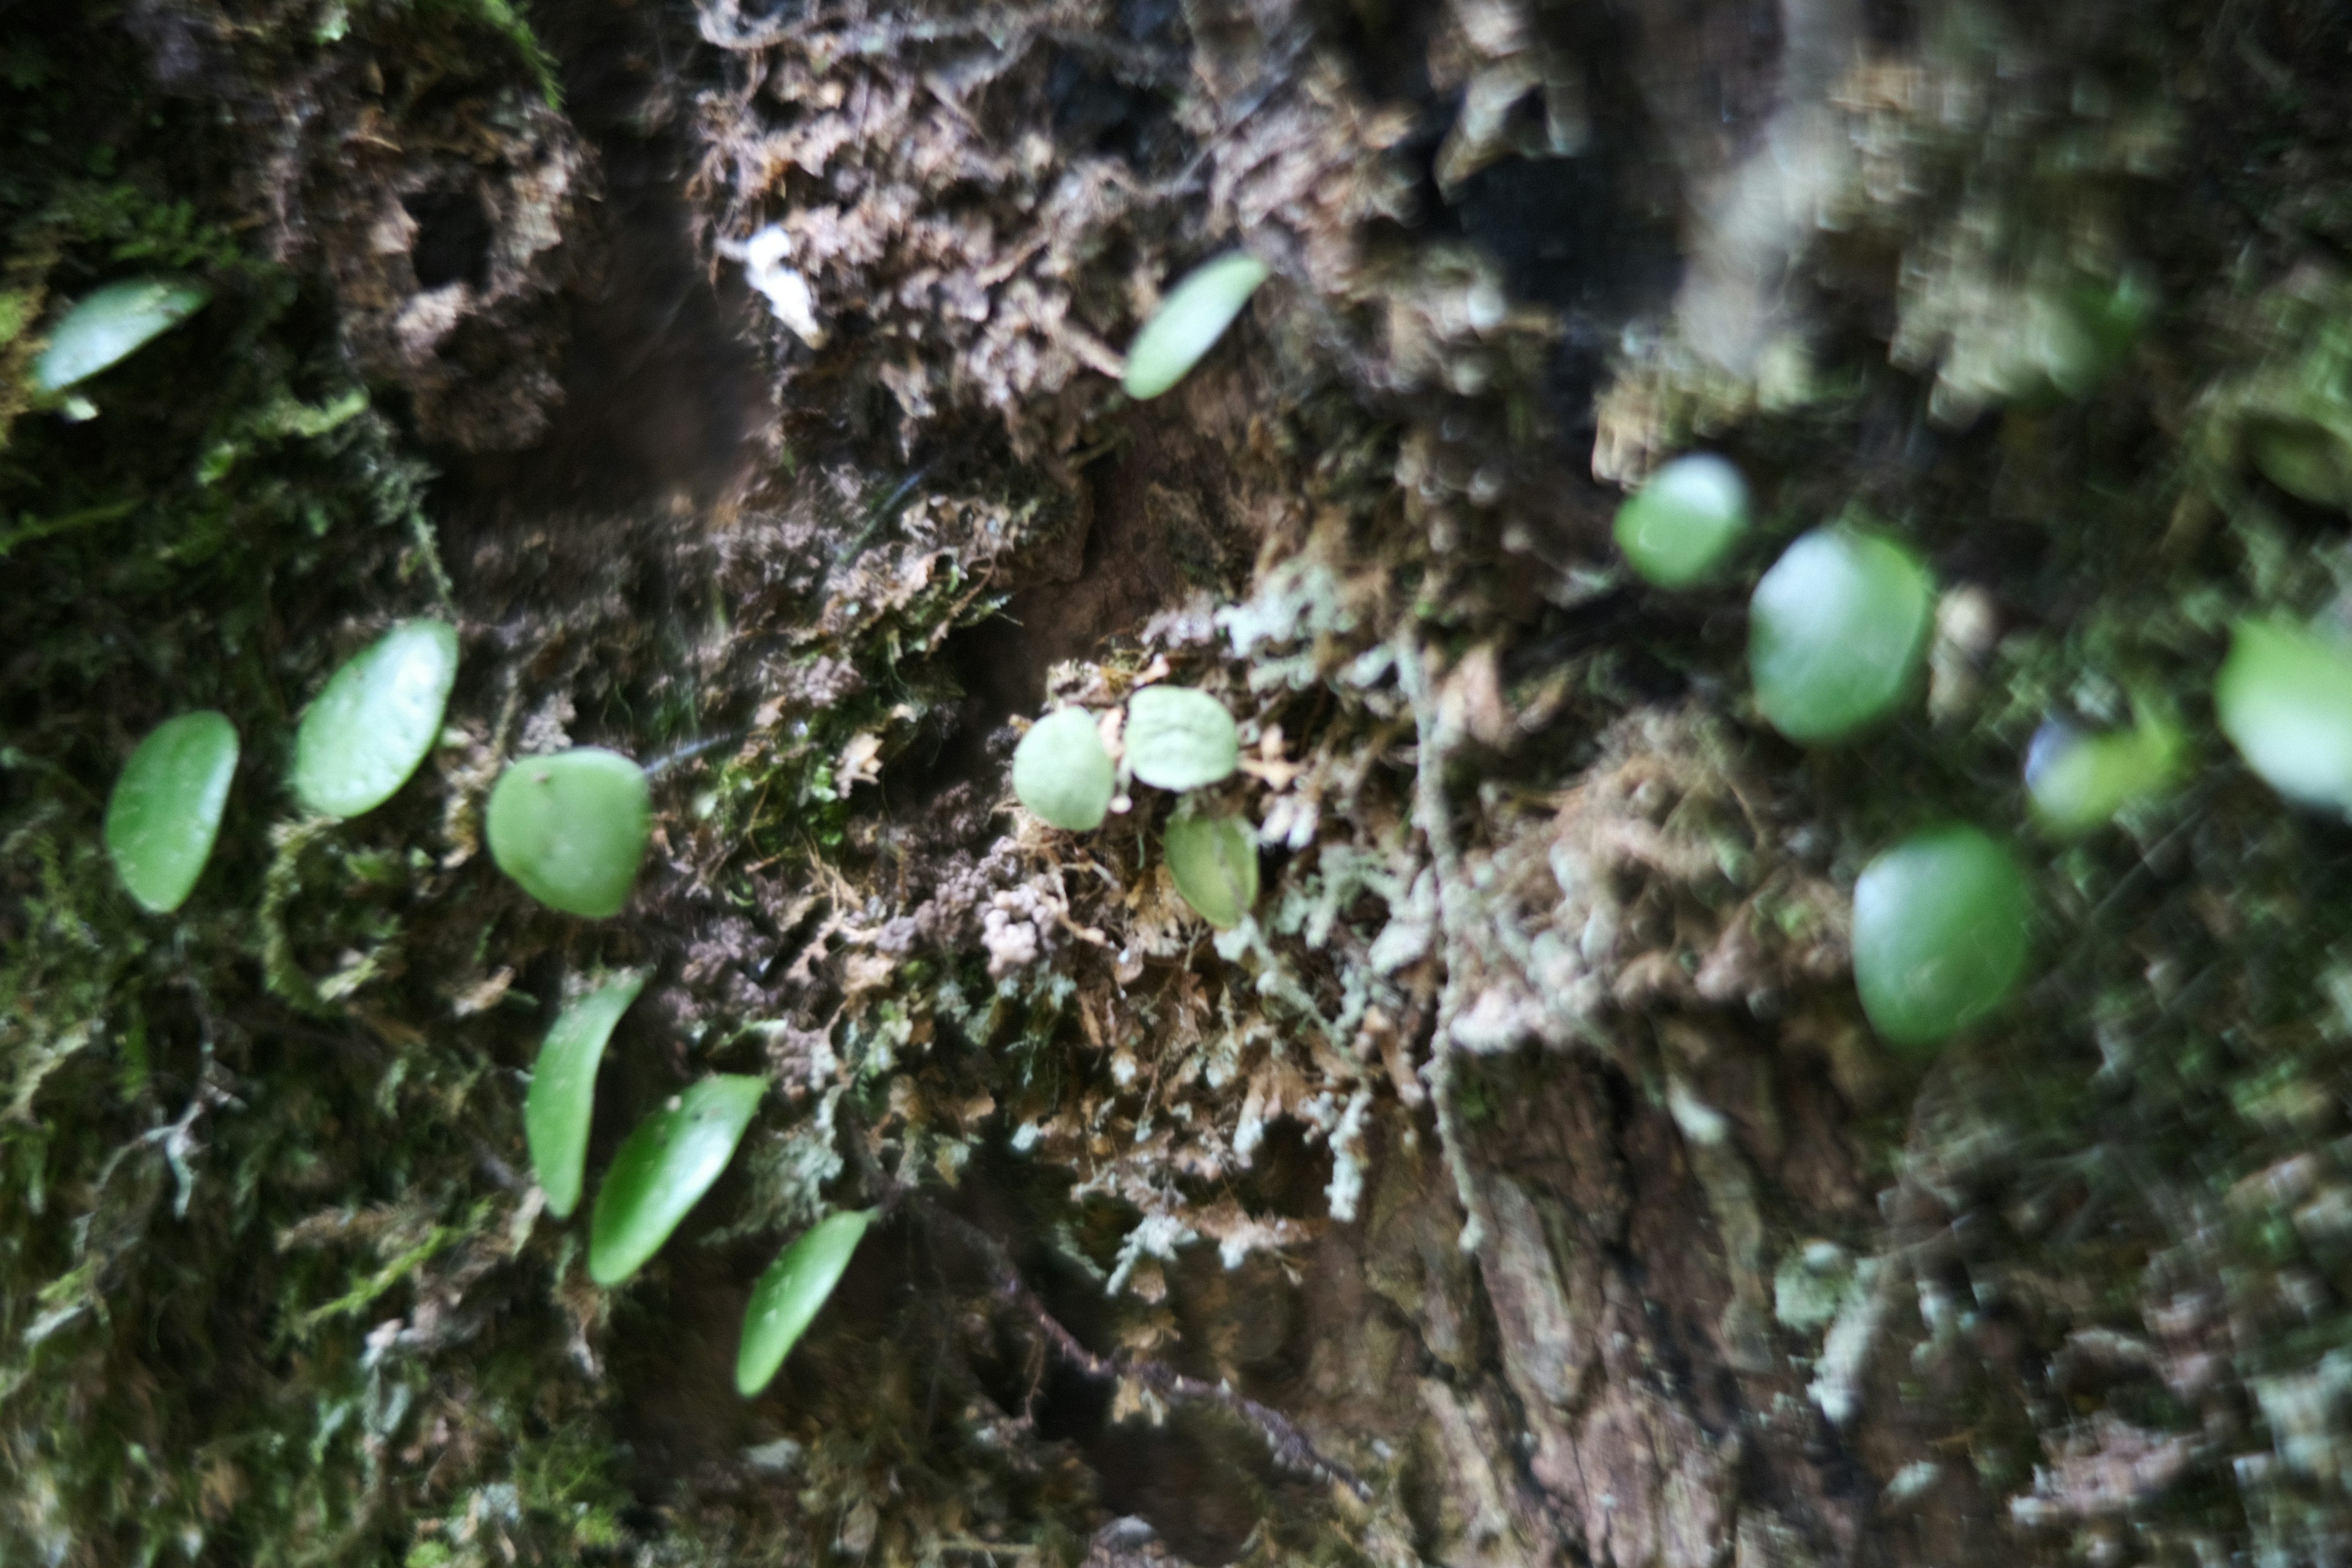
<point>1520,1181</point>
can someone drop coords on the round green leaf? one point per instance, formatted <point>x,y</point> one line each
<point>1190,321</point>
<point>2284,698</point>
<point>1061,772</point>
<point>2304,458</point>
<point>562,1098</point>
<point>785,1300</point>
<point>112,324</point>
<point>1214,860</point>
<point>572,828</point>
<point>2079,782</point>
<point>375,720</point>
<point>663,1169</point>
<point>166,807</point>
<point>1941,926</point>
<point>1179,738</point>
<point>1837,632</point>
<point>1679,528</point>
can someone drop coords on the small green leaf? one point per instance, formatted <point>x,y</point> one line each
<point>572,828</point>
<point>1680,527</point>
<point>166,807</point>
<point>1837,632</point>
<point>785,1300</point>
<point>1179,738</point>
<point>2304,458</point>
<point>1942,923</point>
<point>1061,772</point>
<point>112,324</point>
<point>1190,321</point>
<point>562,1098</point>
<point>377,717</point>
<point>2284,698</point>
<point>2079,782</point>
<point>1214,860</point>
<point>663,1169</point>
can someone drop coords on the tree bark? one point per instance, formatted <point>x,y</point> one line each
<point>1522,1183</point>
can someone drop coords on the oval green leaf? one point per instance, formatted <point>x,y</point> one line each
<point>2284,698</point>
<point>1190,321</point>
<point>1681,526</point>
<point>785,1300</point>
<point>166,807</point>
<point>1837,633</point>
<point>562,1098</point>
<point>1179,738</point>
<point>572,828</point>
<point>2079,782</point>
<point>1214,860</point>
<point>377,717</point>
<point>112,324</point>
<point>1942,923</point>
<point>1061,773</point>
<point>663,1169</point>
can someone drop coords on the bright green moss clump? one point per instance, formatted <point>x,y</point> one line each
<point>1942,923</point>
<point>572,828</point>
<point>2284,698</point>
<point>1837,634</point>
<point>1061,772</point>
<point>166,807</point>
<point>1681,526</point>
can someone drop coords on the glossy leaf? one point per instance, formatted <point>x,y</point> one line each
<point>1190,321</point>
<point>786,1300</point>
<point>562,1098</point>
<point>2284,698</point>
<point>663,1169</point>
<point>1214,860</point>
<point>572,828</point>
<point>1837,633</point>
<point>1681,526</point>
<point>166,807</point>
<point>2079,782</point>
<point>377,717</point>
<point>112,324</point>
<point>1061,773</point>
<point>1179,738</point>
<point>1942,924</point>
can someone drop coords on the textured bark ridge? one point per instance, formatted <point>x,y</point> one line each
<point>1521,1184</point>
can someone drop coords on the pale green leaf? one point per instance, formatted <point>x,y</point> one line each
<point>112,324</point>
<point>1190,321</point>
<point>786,1300</point>
<point>1061,772</point>
<point>663,1169</point>
<point>572,828</point>
<point>376,718</point>
<point>166,807</point>
<point>1214,860</point>
<point>1179,738</point>
<point>562,1100</point>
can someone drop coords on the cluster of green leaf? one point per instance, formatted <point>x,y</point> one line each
<point>1174,738</point>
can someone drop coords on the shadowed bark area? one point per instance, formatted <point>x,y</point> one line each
<point>1522,1181</point>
